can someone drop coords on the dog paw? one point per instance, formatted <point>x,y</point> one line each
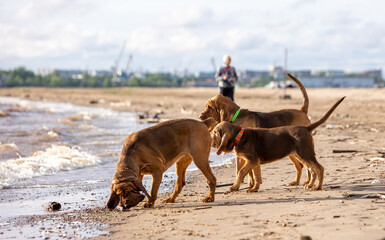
<point>148,204</point>
<point>233,189</point>
<point>316,188</point>
<point>252,190</point>
<point>168,200</point>
<point>208,199</point>
<point>294,183</point>
<point>305,183</point>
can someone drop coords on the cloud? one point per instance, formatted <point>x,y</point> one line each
<point>236,39</point>
<point>154,40</point>
<point>37,10</point>
<point>90,33</point>
<point>187,17</point>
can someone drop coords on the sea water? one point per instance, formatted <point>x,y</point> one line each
<point>64,153</point>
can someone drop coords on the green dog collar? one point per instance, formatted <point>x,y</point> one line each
<point>235,115</point>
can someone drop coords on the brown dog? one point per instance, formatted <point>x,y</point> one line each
<point>223,109</point>
<point>152,151</point>
<point>264,145</point>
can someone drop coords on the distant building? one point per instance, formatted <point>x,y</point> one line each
<point>338,82</point>
<point>248,75</point>
<point>100,73</point>
<point>334,73</point>
<point>277,72</point>
<point>330,73</point>
<point>300,73</point>
<point>204,75</point>
<point>76,74</point>
<point>374,73</point>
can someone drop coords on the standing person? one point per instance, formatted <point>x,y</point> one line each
<point>226,76</point>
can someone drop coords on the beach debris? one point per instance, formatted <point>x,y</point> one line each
<point>146,118</point>
<point>264,234</point>
<point>371,195</point>
<point>374,195</point>
<point>342,115</point>
<point>376,182</point>
<point>202,208</point>
<point>94,102</point>
<point>376,159</point>
<point>305,238</point>
<point>54,206</point>
<point>344,151</point>
<point>331,126</point>
<point>224,185</point>
<point>183,110</point>
<point>126,103</point>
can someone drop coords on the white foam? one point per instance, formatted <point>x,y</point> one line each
<point>47,162</point>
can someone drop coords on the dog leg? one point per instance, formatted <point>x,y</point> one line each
<point>257,176</point>
<point>239,164</point>
<point>203,165</point>
<point>319,173</point>
<point>180,168</point>
<point>241,175</point>
<point>156,181</point>
<point>315,169</point>
<point>312,179</point>
<point>307,178</point>
<point>298,166</point>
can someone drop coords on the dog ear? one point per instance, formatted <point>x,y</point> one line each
<point>139,185</point>
<point>113,201</point>
<point>224,114</point>
<point>224,144</point>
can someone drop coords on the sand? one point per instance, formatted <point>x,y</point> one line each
<point>350,206</point>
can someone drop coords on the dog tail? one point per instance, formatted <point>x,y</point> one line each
<point>313,126</point>
<point>210,123</point>
<point>305,105</point>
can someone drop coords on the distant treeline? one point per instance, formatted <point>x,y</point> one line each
<point>23,77</point>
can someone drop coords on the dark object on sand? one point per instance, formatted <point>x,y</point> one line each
<point>344,151</point>
<point>94,102</point>
<point>285,96</point>
<point>146,118</point>
<point>54,206</point>
<point>224,185</point>
<point>305,238</point>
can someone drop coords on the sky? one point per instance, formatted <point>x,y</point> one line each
<point>177,35</point>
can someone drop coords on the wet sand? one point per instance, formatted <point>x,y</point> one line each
<point>351,205</point>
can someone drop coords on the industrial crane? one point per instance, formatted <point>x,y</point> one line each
<point>116,65</point>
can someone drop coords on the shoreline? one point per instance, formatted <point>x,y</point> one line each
<point>349,206</point>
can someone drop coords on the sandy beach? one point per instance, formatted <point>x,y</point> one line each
<point>350,146</point>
